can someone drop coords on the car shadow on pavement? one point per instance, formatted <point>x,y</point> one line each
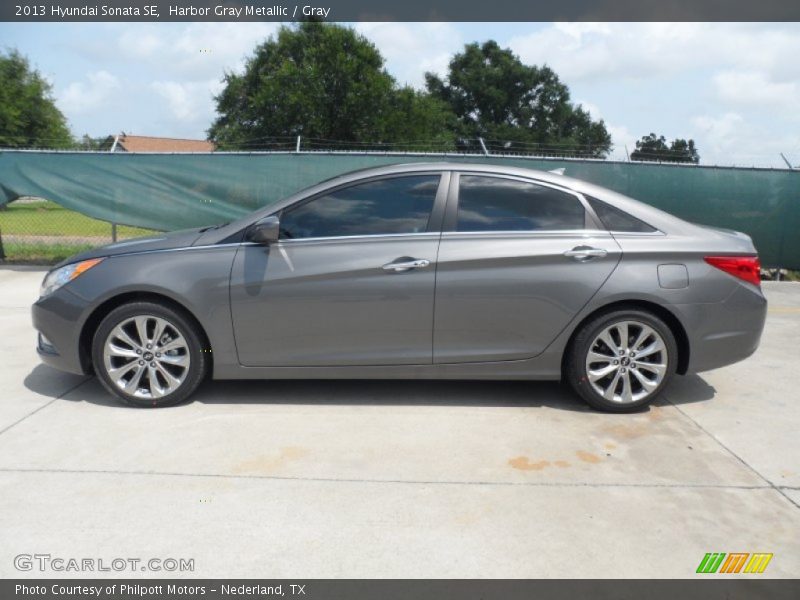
<point>682,390</point>
<point>395,392</point>
<point>687,389</point>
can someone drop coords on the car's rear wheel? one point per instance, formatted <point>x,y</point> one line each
<point>148,354</point>
<point>622,360</point>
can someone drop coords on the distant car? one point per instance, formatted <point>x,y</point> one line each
<point>417,271</point>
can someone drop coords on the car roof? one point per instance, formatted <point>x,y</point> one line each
<point>494,169</point>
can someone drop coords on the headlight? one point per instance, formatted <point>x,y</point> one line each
<point>55,279</point>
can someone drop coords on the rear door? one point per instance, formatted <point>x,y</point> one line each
<point>517,260</point>
<point>350,282</point>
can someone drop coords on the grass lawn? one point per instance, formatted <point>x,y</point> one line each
<point>41,254</point>
<point>53,233</point>
<point>47,218</point>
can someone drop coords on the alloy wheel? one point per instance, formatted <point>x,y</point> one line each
<point>146,356</point>
<point>626,362</point>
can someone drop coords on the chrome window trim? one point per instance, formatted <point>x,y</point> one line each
<point>628,234</point>
<point>544,233</point>
<point>433,235</point>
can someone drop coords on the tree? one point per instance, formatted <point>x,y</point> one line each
<point>497,97</point>
<point>325,81</point>
<point>28,114</point>
<point>654,148</point>
<point>416,121</point>
<point>86,142</point>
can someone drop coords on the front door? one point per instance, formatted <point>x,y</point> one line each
<point>517,261</point>
<point>350,282</point>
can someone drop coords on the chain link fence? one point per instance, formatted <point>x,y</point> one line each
<point>168,191</point>
<point>38,231</point>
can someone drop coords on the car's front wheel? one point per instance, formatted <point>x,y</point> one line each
<point>148,354</point>
<point>622,360</point>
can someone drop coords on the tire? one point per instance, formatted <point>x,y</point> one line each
<point>636,379</point>
<point>165,372</point>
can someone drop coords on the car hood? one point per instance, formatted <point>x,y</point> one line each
<point>164,241</point>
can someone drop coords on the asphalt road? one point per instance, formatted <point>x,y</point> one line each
<point>400,479</point>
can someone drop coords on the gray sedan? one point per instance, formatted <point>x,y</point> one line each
<point>424,271</point>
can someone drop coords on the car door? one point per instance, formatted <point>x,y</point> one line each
<point>518,259</point>
<point>350,281</point>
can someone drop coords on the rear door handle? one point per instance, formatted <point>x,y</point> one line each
<point>584,253</point>
<point>406,265</point>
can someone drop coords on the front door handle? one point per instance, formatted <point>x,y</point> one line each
<point>406,265</point>
<point>584,253</point>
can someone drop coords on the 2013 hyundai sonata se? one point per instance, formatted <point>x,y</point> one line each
<point>429,271</point>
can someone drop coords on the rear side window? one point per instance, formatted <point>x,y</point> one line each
<point>498,204</point>
<point>615,219</point>
<point>382,207</point>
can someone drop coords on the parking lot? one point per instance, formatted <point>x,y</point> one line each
<point>401,478</point>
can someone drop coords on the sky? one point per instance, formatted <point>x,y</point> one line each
<point>733,88</point>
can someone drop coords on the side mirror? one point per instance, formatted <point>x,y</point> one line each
<point>265,231</point>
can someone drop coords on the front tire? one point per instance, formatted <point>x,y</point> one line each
<point>148,354</point>
<point>621,361</point>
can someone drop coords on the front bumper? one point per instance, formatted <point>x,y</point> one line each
<point>58,319</point>
<point>722,333</point>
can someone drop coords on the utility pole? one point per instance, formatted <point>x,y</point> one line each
<point>485,151</point>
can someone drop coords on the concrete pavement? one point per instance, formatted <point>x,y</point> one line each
<point>401,479</point>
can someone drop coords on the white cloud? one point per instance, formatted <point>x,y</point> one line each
<point>592,109</point>
<point>622,140</point>
<point>195,50</point>
<point>83,96</point>
<point>757,90</point>
<point>730,138</point>
<point>140,45</point>
<point>411,49</point>
<point>184,69</point>
<point>593,51</point>
<point>190,101</point>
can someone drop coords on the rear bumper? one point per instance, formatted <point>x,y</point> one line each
<point>58,319</point>
<point>726,332</point>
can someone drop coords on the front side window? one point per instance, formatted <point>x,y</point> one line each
<point>497,204</point>
<point>381,207</point>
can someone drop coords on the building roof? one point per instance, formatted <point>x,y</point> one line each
<point>142,143</point>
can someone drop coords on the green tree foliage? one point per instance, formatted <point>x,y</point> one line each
<point>654,148</point>
<point>522,108</point>
<point>322,81</point>
<point>416,121</point>
<point>28,114</point>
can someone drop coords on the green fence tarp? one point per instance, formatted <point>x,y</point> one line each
<point>174,191</point>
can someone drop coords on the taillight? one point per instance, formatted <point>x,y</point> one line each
<point>747,268</point>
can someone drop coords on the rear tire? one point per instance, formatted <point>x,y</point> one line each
<point>148,354</point>
<point>620,361</point>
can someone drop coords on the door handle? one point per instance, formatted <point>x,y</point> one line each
<point>406,265</point>
<point>584,253</point>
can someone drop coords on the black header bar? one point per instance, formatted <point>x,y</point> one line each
<point>402,10</point>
